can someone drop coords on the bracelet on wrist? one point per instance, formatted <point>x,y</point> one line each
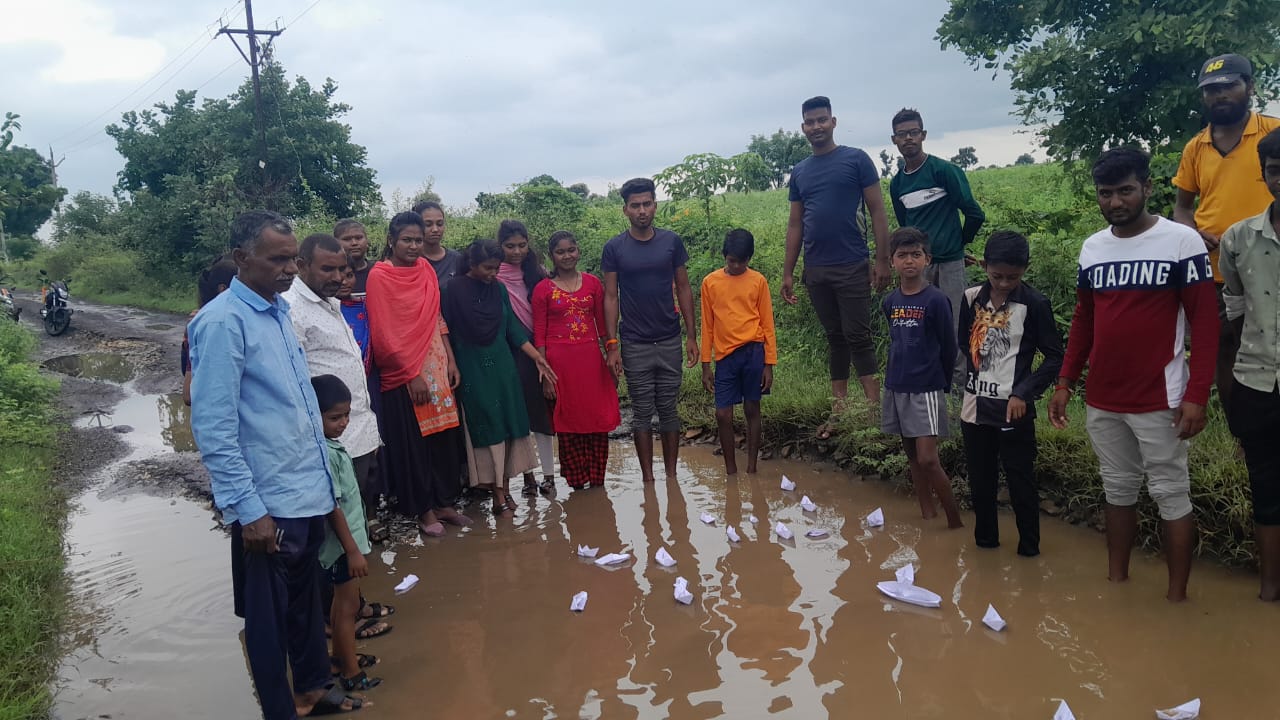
<point>611,343</point>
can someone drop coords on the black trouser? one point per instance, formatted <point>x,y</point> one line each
<point>841,297</point>
<point>283,620</point>
<point>988,448</point>
<point>1255,419</point>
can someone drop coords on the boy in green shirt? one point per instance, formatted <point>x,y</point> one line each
<point>347,540</point>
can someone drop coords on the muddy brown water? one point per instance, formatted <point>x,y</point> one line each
<point>790,629</point>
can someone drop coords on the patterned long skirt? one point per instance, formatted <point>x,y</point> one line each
<point>583,457</point>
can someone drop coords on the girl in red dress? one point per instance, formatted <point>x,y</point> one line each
<point>568,329</point>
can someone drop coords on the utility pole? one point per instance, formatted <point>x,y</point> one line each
<point>53,171</point>
<point>253,58</point>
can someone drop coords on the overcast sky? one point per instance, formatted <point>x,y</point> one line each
<point>480,95</point>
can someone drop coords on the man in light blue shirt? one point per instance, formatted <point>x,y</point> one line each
<point>255,418</point>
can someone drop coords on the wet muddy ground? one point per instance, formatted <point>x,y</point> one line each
<point>793,629</point>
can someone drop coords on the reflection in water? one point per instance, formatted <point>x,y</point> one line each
<point>111,367</point>
<point>794,630</point>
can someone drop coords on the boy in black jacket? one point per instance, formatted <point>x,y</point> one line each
<point>1003,324</point>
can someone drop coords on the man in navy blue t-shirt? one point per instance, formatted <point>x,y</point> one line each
<point>640,267</point>
<point>827,190</point>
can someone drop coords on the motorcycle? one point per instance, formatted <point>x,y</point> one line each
<point>7,306</point>
<point>54,297</point>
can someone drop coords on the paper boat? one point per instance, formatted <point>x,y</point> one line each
<point>876,518</point>
<point>817,533</point>
<point>807,505</point>
<point>587,552</point>
<point>993,620</point>
<point>1186,711</point>
<point>664,558</point>
<point>681,592</point>
<point>783,531</point>
<point>732,533</point>
<point>613,559</point>
<point>787,484</point>
<point>906,574</point>
<point>910,593</point>
<point>1064,712</point>
<point>708,519</point>
<point>579,602</point>
<point>753,519</point>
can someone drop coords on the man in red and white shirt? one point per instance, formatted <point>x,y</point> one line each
<point>1141,282</point>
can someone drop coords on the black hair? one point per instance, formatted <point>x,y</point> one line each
<point>397,225</point>
<point>425,205</point>
<point>635,186</point>
<point>247,228</point>
<point>739,243</point>
<point>906,115</point>
<point>817,102</point>
<point>1117,164</point>
<point>908,237</point>
<point>531,266</point>
<point>1006,247</point>
<point>479,251</point>
<point>330,391</point>
<point>1269,147</point>
<point>344,225</point>
<point>218,274</point>
<point>554,241</point>
<point>323,241</point>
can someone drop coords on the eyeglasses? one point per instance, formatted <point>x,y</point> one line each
<point>912,133</point>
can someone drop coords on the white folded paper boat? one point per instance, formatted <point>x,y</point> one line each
<point>406,584</point>
<point>1064,712</point>
<point>807,504</point>
<point>817,533</point>
<point>1186,711</point>
<point>876,518</point>
<point>993,620</point>
<point>682,594</point>
<point>579,602</point>
<point>708,518</point>
<point>587,552</point>
<point>910,593</point>
<point>664,558</point>
<point>753,519</point>
<point>787,484</point>
<point>783,531</point>
<point>732,533</point>
<point>613,559</point>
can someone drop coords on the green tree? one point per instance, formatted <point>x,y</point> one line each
<point>1025,159</point>
<point>751,172</point>
<point>780,152</point>
<point>426,193</point>
<point>86,214</point>
<point>189,169</point>
<point>580,189</point>
<point>966,158</point>
<point>543,179</point>
<point>27,193</point>
<point>545,208</point>
<point>700,177</point>
<point>1094,73</point>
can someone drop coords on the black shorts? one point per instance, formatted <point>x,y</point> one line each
<point>340,574</point>
<point>1254,417</point>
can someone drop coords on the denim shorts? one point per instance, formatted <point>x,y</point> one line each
<point>739,374</point>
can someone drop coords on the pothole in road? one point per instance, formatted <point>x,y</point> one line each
<point>93,366</point>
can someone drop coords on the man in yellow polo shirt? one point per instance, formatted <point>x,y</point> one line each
<point>1220,166</point>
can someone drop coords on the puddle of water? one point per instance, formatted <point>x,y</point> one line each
<point>796,629</point>
<point>160,326</point>
<point>160,423</point>
<point>93,366</point>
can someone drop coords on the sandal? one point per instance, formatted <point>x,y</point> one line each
<point>360,682</point>
<point>530,488</point>
<point>375,610</point>
<point>371,628</point>
<point>333,701</point>
<point>547,486</point>
<point>510,502</point>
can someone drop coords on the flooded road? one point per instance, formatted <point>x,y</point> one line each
<point>791,629</point>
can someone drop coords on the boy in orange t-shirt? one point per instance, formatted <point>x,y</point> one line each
<point>737,322</point>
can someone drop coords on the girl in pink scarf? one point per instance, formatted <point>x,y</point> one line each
<point>520,272</point>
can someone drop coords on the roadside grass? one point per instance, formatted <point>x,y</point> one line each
<point>33,510</point>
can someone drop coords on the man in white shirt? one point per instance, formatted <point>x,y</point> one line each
<point>332,350</point>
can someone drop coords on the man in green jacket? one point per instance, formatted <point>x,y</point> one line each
<point>932,194</point>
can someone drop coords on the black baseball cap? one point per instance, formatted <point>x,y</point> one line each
<point>1224,69</point>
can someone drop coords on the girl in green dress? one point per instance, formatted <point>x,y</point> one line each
<point>484,333</point>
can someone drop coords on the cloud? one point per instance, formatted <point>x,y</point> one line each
<point>481,96</point>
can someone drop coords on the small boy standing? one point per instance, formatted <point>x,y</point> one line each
<point>737,326</point>
<point>347,541</point>
<point>1006,322</point>
<point>922,359</point>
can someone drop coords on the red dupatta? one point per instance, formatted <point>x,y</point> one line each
<point>404,312</point>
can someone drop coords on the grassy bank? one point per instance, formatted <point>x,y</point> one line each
<point>32,520</point>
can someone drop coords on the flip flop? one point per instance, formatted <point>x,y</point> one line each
<point>361,681</point>
<point>365,630</point>
<point>331,703</point>
<point>363,661</point>
<point>378,532</point>
<point>377,610</point>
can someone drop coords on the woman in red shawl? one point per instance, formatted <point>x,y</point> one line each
<point>419,414</point>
